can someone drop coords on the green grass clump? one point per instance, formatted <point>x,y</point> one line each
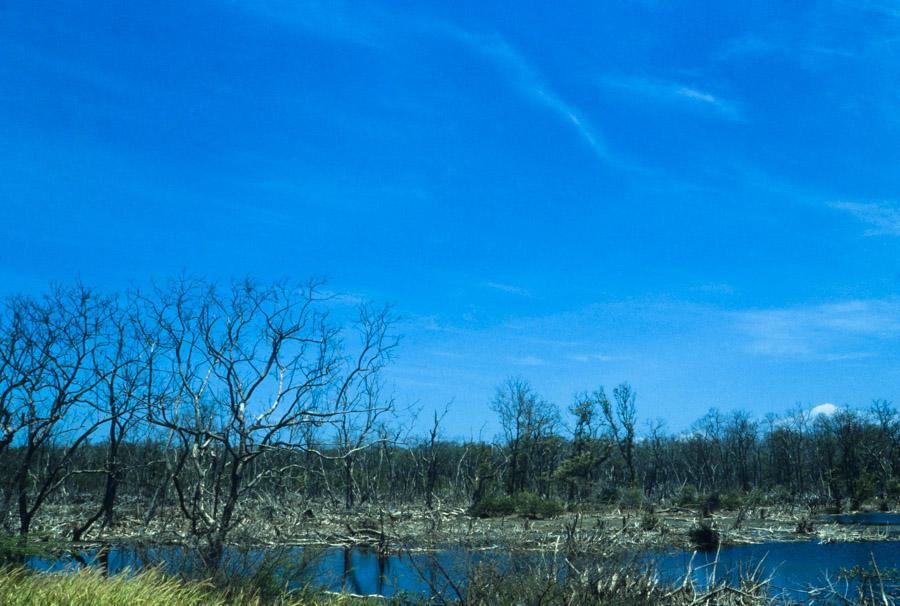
<point>89,587</point>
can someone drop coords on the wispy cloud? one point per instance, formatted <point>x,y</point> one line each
<point>528,361</point>
<point>591,357</point>
<point>668,91</point>
<point>509,289</point>
<point>883,219</point>
<point>344,21</point>
<point>529,81</point>
<point>831,332</point>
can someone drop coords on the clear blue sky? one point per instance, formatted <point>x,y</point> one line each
<point>700,198</point>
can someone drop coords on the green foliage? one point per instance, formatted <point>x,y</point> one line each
<point>534,506</point>
<point>524,503</point>
<point>492,507</point>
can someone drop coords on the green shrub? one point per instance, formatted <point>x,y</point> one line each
<point>493,507</point>
<point>534,506</point>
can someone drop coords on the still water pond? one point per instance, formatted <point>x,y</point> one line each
<point>791,566</point>
<point>887,522</point>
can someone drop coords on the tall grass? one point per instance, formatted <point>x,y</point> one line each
<point>88,587</point>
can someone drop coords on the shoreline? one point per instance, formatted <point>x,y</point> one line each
<point>400,530</point>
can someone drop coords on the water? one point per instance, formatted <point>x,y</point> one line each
<point>357,570</point>
<point>889,522</point>
<point>791,566</point>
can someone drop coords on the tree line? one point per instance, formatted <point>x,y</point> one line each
<point>208,402</point>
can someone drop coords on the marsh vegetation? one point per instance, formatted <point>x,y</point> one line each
<point>209,418</point>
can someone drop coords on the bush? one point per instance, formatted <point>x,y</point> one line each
<point>493,507</point>
<point>534,506</point>
<point>632,498</point>
<point>649,521</point>
<point>704,536</point>
<point>687,496</point>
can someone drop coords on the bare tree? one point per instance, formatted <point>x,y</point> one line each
<point>125,373</point>
<point>250,367</point>
<point>526,420</point>
<point>356,419</point>
<point>621,419</point>
<point>431,456</point>
<point>65,332</point>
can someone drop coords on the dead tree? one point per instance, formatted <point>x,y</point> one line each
<point>621,419</point>
<point>251,366</point>
<point>526,420</point>
<point>124,369</point>
<point>65,332</point>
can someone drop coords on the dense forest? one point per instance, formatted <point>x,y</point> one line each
<point>208,402</point>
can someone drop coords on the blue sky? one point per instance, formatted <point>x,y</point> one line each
<point>700,198</point>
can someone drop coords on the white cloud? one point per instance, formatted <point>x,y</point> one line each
<point>883,219</point>
<point>826,409</point>
<point>591,357</point>
<point>525,77</point>
<point>830,332</point>
<point>667,91</point>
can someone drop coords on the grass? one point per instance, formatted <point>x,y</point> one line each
<point>88,587</point>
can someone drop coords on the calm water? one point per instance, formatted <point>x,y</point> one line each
<point>792,566</point>
<point>889,522</point>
